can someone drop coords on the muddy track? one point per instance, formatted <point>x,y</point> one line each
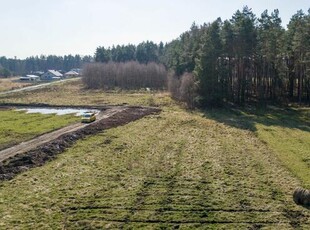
<point>37,151</point>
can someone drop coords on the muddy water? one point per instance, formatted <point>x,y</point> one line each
<point>57,111</point>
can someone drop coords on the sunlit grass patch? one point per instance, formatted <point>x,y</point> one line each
<point>289,138</point>
<point>17,126</point>
<point>285,131</point>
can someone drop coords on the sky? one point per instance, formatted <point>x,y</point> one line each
<point>62,27</point>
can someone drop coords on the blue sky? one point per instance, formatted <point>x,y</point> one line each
<point>35,27</point>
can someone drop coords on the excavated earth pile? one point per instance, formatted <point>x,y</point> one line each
<point>48,151</point>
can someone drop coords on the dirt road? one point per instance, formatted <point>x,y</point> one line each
<point>28,145</point>
<point>34,87</point>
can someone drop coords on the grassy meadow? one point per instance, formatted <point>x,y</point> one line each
<point>215,169</point>
<point>18,126</point>
<point>285,131</point>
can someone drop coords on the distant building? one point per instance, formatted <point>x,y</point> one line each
<point>38,73</point>
<point>51,75</point>
<point>71,73</point>
<point>30,77</point>
<point>79,71</point>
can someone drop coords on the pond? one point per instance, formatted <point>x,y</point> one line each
<point>58,111</point>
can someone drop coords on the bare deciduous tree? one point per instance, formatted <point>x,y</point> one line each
<point>129,75</point>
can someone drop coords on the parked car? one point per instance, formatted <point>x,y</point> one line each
<point>88,117</point>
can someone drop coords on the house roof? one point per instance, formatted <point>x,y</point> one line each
<point>78,70</point>
<point>55,73</point>
<point>71,73</point>
<point>32,76</point>
<point>38,72</point>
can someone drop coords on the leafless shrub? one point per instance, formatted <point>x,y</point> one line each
<point>183,89</point>
<point>188,90</point>
<point>129,75</point>
<point>174,85</point>
<point>302,197</point>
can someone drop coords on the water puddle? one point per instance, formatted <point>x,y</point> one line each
<point>58,111</point>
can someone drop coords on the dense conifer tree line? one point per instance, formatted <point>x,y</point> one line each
<point>42,63</point>
<point>241,60</point>
<point>144,52</point>
<point>246,59</point>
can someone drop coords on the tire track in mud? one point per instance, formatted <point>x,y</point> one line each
<point>46,147</point>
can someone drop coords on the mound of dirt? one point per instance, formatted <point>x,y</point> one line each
<point>38,156</point>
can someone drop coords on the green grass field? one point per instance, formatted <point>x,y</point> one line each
<point>218,169</point>
<point>17,126</point>
<point>285,131</point>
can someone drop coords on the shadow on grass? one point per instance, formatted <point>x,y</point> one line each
<point>247,118</point>
<point>306,207</point>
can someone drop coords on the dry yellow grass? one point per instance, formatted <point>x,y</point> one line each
<point>74,93</point>
<point>11,83</point>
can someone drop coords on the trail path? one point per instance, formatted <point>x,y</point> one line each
<point>34,87</point>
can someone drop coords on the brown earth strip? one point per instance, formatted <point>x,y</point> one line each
<point>48,151</point>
